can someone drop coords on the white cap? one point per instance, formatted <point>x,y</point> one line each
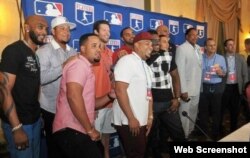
<point>61,20</point>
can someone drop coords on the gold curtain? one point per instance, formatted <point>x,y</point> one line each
<point>215,11</point>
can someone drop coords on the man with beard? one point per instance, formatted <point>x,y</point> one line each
<point>127,36</point>
<point>73,127</point>
<point>103,75</point>
<point>19,84</point>
<point>51,57</point>
<point>133,112</point>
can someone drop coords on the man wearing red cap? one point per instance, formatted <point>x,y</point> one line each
<point>132,109</point>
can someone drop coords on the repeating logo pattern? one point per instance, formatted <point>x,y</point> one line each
<point>114,44</point>
<point>84,14</point>
<point>173,27</point>
<point>154,23</point>
<point>113,18</point>
<point>186,26</point>
<point>46,8</point>
<point>136,21</point>
<point>200,30</point>
<point>75,44</point>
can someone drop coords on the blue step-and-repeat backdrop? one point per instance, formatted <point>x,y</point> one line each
<point>85,12</point>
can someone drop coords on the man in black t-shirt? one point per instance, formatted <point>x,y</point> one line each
<point>19,88</point>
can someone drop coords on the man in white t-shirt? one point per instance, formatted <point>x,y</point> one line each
<point>132,110</point>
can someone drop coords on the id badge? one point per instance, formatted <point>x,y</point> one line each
<point>207,76</point>
<point>232,76</point>
<point>212,70</point>
<point>149,94</point>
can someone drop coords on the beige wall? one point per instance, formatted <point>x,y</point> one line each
<point>9,23</point>
<point>184,8</point>
<point>127,3</point>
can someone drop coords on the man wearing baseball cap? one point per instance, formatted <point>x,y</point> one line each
<point>132,109</point>
<point>51,57</point>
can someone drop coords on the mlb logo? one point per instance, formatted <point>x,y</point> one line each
<point>154,23</point>
<point>113,18</point>
<point>186,26</point>
<point>75,44</point>
<point>200,30</point>
<point>136,21</point>
<point>84,14</point>
<point>46,8</point>
<point>173,27</point>
<point>114,44</point>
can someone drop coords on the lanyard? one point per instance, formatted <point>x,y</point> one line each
<point>231,63</point>
<point>144,69</point>
<point>143,65</point>
<point>207,67</point>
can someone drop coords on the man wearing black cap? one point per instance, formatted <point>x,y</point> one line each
<point>132,109</point>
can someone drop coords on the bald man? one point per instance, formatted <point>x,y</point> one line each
<point>163,30</point>
<point>19,88</point>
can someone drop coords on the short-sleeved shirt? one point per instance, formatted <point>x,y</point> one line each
<point>162,64</point>
<point>20,60</point>
<point>102,71</point>
<point>115,54</point>
<point>133,70</point>
<point>51,57</point>
<point>77,71</point>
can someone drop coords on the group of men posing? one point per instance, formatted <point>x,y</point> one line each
<point>140,91</point>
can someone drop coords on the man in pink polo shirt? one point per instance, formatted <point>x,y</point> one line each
<point>73,126</point>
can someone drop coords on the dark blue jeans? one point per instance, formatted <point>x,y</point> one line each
<point>33,132</point>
